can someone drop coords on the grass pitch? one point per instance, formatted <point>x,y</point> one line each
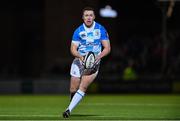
<point>92,107</point>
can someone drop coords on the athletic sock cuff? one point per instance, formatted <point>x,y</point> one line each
<point>81,93</point>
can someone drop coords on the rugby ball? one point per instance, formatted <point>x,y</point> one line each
<point>89,60</point>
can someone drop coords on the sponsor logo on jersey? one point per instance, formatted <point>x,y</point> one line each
<point>83,35</point>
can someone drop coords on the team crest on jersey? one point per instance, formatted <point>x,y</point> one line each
<point>83,35</point>
<point>96,34</point>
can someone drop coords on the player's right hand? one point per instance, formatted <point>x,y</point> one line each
<point>82,58</point>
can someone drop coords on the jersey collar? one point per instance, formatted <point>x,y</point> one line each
<point>89,29</point>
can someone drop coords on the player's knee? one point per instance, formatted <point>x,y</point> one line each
<point>73,89</point>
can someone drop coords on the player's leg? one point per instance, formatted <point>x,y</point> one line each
<point>75,77</point>
<point>74,82</point>
<point>86,80</point>
<point>74,85</point>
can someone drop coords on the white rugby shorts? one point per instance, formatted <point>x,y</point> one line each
<point>77,69</point>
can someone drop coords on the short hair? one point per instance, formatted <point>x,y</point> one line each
<point>88,9</point>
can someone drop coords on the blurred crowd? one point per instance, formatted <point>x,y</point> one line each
<point>147,56</point>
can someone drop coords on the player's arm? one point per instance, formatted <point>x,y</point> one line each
<point>106,49</point>
<point>75,52</point>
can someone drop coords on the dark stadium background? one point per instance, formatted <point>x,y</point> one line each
<point>36,35</point>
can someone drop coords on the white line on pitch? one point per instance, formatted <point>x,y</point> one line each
<point>128,104</point>
<point>23,115</point>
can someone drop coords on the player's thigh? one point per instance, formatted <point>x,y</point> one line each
<point>74,84</point>
<point>75,73</point>
<point>86,80</point>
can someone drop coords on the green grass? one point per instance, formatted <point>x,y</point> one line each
<point>92,107</point>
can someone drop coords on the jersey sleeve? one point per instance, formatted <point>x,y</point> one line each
<point>75,38</point>
<point>104,34</point>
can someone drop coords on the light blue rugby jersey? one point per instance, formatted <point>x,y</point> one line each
<point>89,39</point>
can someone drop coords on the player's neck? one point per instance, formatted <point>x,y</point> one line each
<point>90,28</point>
<point>89,25</point>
